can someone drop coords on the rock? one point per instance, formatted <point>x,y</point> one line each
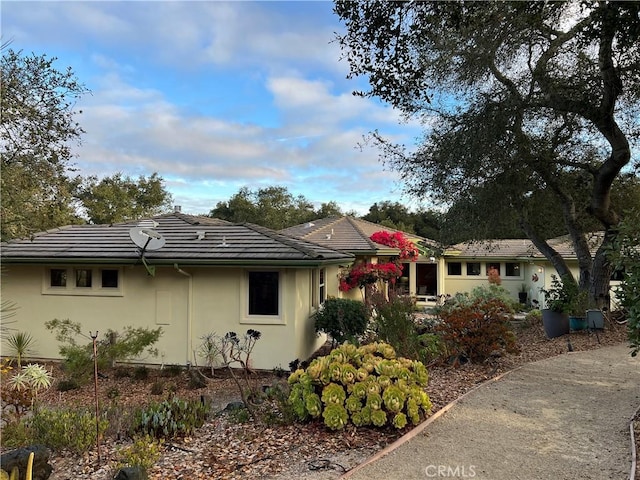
<point>130,473</point>
<point>234,406</point>
<point>19,458</point>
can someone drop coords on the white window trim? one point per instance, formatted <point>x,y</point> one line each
<point>244,300</point>
<point>96,289</point>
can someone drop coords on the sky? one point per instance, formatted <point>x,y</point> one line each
<point>215,96</point>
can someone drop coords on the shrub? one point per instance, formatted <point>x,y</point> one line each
<point>114,347</point>
<point>476,331</point>
<point>69,429</point>
<point>171,418</point>
<point>534,317</point>
<point>394,323</point>
<point>157,388</point>
<point>67,384</point>
<point>172,370</point>
<point>140,373</point>
<point>16,434</point>
<point>342,319</point>
<point>143,453</point>
<point>365,386</point>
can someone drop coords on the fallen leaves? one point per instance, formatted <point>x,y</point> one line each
<point>225,449</point>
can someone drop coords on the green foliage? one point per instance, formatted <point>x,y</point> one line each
<point>16,433</point>
<point>37,121</point>
<point>143,453</point>
<point>120,198</point>
<point>67,429</point>
<point>67,384</point>
<point>140,373</point>
<point>365,385</point>
<point>342,319</point>
<point>560,296</point>
<point>625,255</point>
<point>172,370</point>
<point>171,418</point>
<point>394,323</point>
<point>114,347</point>
<point>532,139</point>
<point>20,345</point>
<point>478,330</point>
<point>273,207</point>
<point>533,317</point>
<point>22,388</point>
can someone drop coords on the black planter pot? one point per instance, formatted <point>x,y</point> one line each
<point>555,324</point>
<point>522,296</point>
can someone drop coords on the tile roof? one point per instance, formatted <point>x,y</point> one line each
<point>519,248</point>
<point>188,239</point>
<point>346,233</point>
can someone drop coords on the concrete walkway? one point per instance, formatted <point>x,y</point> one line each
<point>562,418</point>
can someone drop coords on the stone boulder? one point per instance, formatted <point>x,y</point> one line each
<point>19,458</point>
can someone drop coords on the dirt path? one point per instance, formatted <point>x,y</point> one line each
<point>561,418</point>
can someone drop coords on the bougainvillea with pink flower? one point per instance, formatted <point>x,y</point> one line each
<point>363,274</point>
<point>408,250</point>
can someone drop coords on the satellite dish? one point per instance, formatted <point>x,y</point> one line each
<point>146,239</point>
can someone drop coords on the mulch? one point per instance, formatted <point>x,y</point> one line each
<point>227,449</point>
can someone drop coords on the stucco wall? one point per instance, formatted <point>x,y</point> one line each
<point>217,303</point>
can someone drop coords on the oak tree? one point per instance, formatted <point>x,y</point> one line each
<point>521,101</point>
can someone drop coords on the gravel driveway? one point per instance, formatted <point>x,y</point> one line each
<point>565,417</point>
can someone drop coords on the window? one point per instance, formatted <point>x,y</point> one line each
<point>83,281</point>
<point>264,293</point>
<point>109,278</point>
<point>58,277</point>
<point>512,269</point>
<point>454,268</point>
<point>323,290</point>
<point>473,268</point>
<point>491,265</point>
<point>83,278</point>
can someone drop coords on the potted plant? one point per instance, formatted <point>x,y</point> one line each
<point>578,306</point>
<point>522,294</point>
<point>555,318</point>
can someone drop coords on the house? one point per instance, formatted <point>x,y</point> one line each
<point>189,275</point>
<point>520,264</point>
<point>438,272</point>
<point>421,278</point>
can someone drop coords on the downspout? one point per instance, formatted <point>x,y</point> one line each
<point>189,311</point>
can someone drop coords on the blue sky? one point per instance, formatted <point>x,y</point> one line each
<point>215,96</point>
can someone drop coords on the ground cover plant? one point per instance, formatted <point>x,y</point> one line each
<point>367,385</point>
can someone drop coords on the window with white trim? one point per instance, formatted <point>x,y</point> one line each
<point>264,293</point>
<point>473,269</point>
<point>512,269</point>
<point>454,268</point>
<point>96,281</point>
<point>322,290</point>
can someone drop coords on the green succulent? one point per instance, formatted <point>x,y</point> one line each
<point>333,394</point>
<point>353,404</point>
<point>393,398</point>
<point>349,373</point>
<point>374,401</point>
<point>378,417</point>
<point>313,405</point>
<point>335,416</point>
<point>399,420</point>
